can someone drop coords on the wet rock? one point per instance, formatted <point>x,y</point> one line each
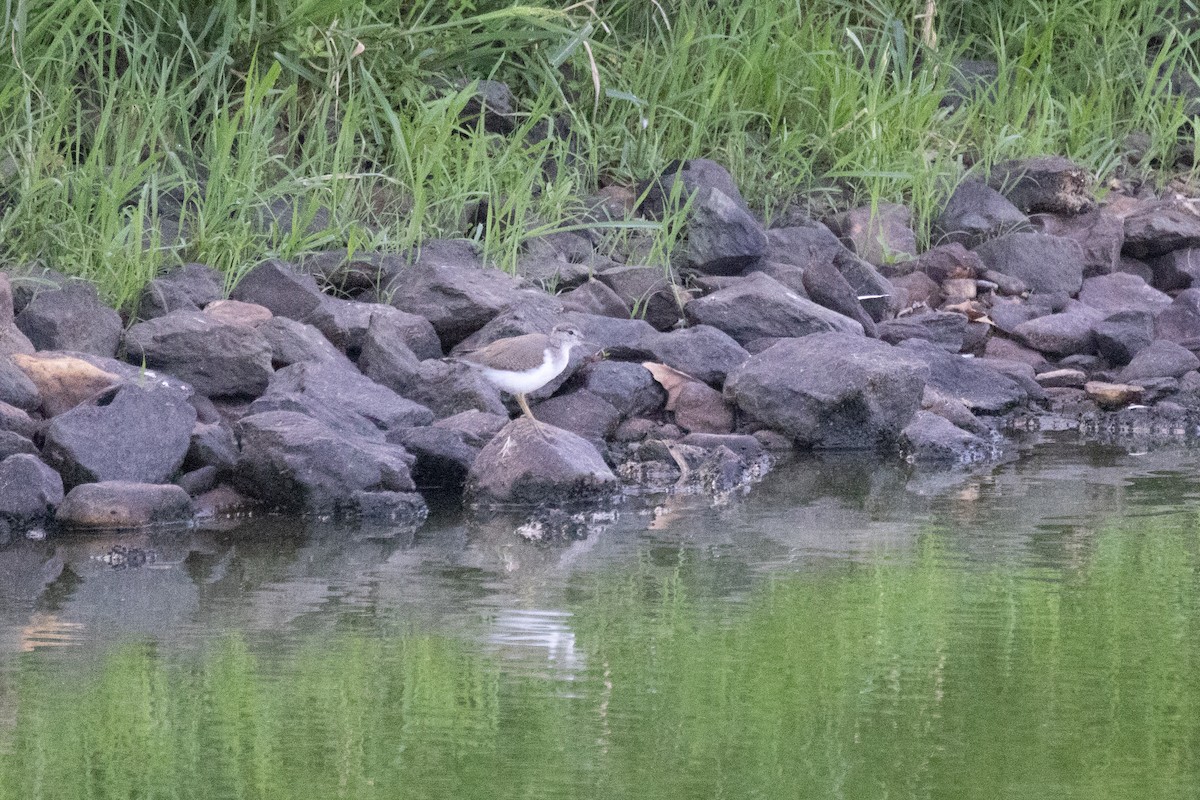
<point>628,387</point>
<point>1062,378</point>
<point>1159,227</point>
<point>29,490</point>
<point>215,358</point>
<point>593,297</point>
<point>1100,234</point>
<point>279,287</point>
<point>880,234</point>
<point>646,292</point>
<point>123,504</point>
<point>198,481</point>
<point>1122,291</point>
<point>831,390</point>
<point>127,434</point>
<point>1112,396</point>
<point>294,342</point>
<point>1068,333</point>
<point>975,213</point>
<point>932,438</point>
<point>1161,359</point>
<point>702,351</point>
<point>188,288</point>
<point>16,389</point>
<point>583,413</point>
<point>1180,321</point>
<point>1044,263</point>
<point>696,175</point>
<point>1178,269</point>
<point>942,328</point>
<point>407,508</point>
<point>520,466</point>
<point>758,307</point>
<point>980,388</point>
<point>954,410</point>
<point>71,318</point>
<point>1046,183</point>
<point>1121,336</point>
<point>343,399</point>
<point>723,238</point>
<point>443,455</point>
<point>236,312</point>
<point>295,462</point>
<point>746,447</point>
<point>825,285</point>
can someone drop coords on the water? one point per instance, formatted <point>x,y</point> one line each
<point>849,630</point>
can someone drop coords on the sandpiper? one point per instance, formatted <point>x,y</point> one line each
<point>523,364</point>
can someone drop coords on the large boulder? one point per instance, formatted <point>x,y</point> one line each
<point>975,213</point>
<point>1158,227</point>
<point>130,433</point>
<point>1045,263</point>
<point>1070,332</point>
<point>702,351</point>
<point>759,307</point>
<point>443,455</point>
<point>723,237</point>
<point>831,390</point>
<point>276,285</point>
<point>71,318</point>
<point>1100,234</point>
<point>187,288</point>
<point>528,465</point>
<point>217,359</point>
<point>1122,291</point>
<point>880,233</point>
<point>121,504</point>
<point>29,490</point>
<point>629,387</point>
<point>1045,183</point>
<point>1160,359</point>
<point>1180,321</point>
<point>981,389</point>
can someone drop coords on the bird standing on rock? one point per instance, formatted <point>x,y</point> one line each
<point>523,364</point>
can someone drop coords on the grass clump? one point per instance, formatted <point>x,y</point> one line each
<point>138,135</point>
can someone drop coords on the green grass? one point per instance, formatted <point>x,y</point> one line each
<point>117,114</point>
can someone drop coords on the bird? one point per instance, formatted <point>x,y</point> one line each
<point>523,364</point>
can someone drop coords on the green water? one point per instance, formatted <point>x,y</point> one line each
<point>847,631</point>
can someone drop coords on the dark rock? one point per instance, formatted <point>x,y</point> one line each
<point>932,438</point>
<point>759,307</point>
<point>1062,378</point>
<point>16,421</point>
<point>476,427</point>
<point>696,175</point>
<point>1135,267</point>
<point>294,342</point>
<point>949,261</point>
<point>1161,359</point>
<point>217,359</point>
<point>443,455</point>
<point>1005,284</point>
<point>981,389</point>
<point>1019,373</point>
<point>879,233</point>
<point>975,213</point>
<point>1180,321</point>
<point>916,289</point>
<point>831,390</point>
<point>1099,233</point>
<point>1121,291</point>
<point>29,490</point>
<point>1072,331</point>
<point>126,434</point>
<point>594,297</point>
<point>12,444</point>
<point>280,288</point>
<point>123,504</point>
<point>553,274</point>
<point>349,274</point>
<point>295,462</point>
<point>825,285</point>
<point>802,245</point>
<point>1044,263</point>
<point>969,79</point>
<point>875,292</point>
<point>789,275</point>
<point>451,388</point>
<point>581,412</point>
<point>7,312</point>
<point>71,318</point>
<point>188,288</point>
<point>523,466</point>
<point>723,238</point>
<point>1047,183</point>
<point>30,280</point>
<point>198,481</point>
<point>629,388</point>
<point>702,351</point>
<point>342,398</point>
<point>1112,396</point>
<point>700,408</point>
<point>1121,336</point>
<point>457,300</point>
<point>345,323</point>
<point>1178,269</point>
<point>16,389</point>
<point>212,444</point>
<point>747,447</point>
<point>490,102</point>
<point>954,410</point>
<point>1158,227</point>
<point>944,329</point>
<point>603,333</point>
<point>646,292</point>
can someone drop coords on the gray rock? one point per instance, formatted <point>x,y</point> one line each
<point>628,387</point>
<point>491,102</point>
<point>723,238</point>
<point>215,358</point>
<point>802,245</point>
<point>29,490</point>
<point>1100,234</point>
<point>1064,334</point>
<point>477,427</point>
<point>188,288</point>
<point>696,175</point>
<point>1020,373</point>
<point>345,323</point>
<point>879,233</point>
<point>1044,263</point>
<point>583,413</point>
<point>1159,227</point>
<point>278,286</point>
<point>553,273</point>
<point>1008,316</point>
<point>17,421</point>
<point>443,455</point>
<point>1122,291</point>
<point>1121,336</point>
<point>758,307</point>
<point>932,438</point>
<point>825,285</point>
<point>533,313</point>
<point>943,328</point>
<point>16,388</point>
<point>975,213</point>
<point>1177,269</point>
<point>831,390</point>
<point>702,351</point>
<point>1062,378</point>
<point>198,481</point>
<point>126,434</point>
<point>71,318</point>
<point>1161,359</point>
<point>123,504</point>
<point>981,389</point>
<point>1045,183</point>
<point>12,444</point>
<point>875,292</point>
<point>593,297</point>
<point>295,342</point>
<point>646,292</point>
<point>947,262</point>
<point>955,410</point>
<point>702,409</point>
<point>212,444</point>
<point>521,466</point>
<point>747,447</point>
<point>1180,321</point>
<point>13,341</point>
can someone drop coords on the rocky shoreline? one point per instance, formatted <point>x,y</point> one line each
<point>328,386</point>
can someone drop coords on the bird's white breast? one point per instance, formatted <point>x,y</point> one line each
<point>530,380</point>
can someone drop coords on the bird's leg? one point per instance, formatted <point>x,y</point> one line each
<point>536,424</point>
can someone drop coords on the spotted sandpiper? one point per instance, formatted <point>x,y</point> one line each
<point>523,364</point>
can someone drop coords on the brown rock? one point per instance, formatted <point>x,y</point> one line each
<point>1060,378</point>
<point>63,381</point>
<point>699,408</point>
<point>236,312</point>
<point>118,504</point>
<point>1111,396</point>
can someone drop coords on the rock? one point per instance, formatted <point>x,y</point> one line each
<point>1062,378</point>
<point>63,382</point>
<point>12,341</point>
<point>476,427</point>
<point>723,238</point>
<point>553,273</point>
<point>628,387</point>
<point>931,438</point>
<point>1161,359</point>
<point>1099,233</point>
<point>954,410</point>
<point>198,481</point>
<point>12,444</point>
<point>696,176</point>
<point>1019,373</point>
<point>583,413</point>
<point>976,213</point>
<point>533,313</point>
<point>947,262</point>
<point>1121,336</point>
<point>1122,291</point>
<point>1046,183</point>
<point>980,388</point>
<point>520,466</point>
<point>127,434</point>
<point>803,245</point>
<point>699,408</point>
<point>443,455</point>
<point>942,328</point>
<point>748,448</point>
<point>29,490</point>
<point>593,297</point>
<point>212,444</point>
<point>916,289</point>
<point>187,288</point>
<point>1064,334</point>
<point>17,421</point>
<point>1008,350</point>
<point>702,351</point>
<point>123,504</point>
<point>957,291</point>
<point>345,323</point>
<point>215,358</point>
<point>343,399</point>
<point>880,233</point>
<point>758,307</point>
<point>407,508</point>
<point>1044,263</point>
<point>294,342</point>
<point>277,286</point>
<point>451,388</point>
<point>825,285</point>
<point>236,312</point>
<point>296,462</point>
<point>1180,321</point>
<point>1178,269</point>
<point>969,79</point>
<point>71,318</point>
<point>647,294</point>
<point>7,312</point>
<point>490,102</point>
<point>1158,227</point>
<point>1006,316</point>
<point>1112,396</point>
<point>875,292</point>
<point>831,390</point>
<point>1005,284</point>
<point>16,389</point>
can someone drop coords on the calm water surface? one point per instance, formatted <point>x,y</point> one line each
<point>1030,630</point>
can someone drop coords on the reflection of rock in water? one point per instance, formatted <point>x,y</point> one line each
<point>540,639</point>
<point>122,557</point>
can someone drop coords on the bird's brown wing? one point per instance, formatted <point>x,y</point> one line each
<point>515,353</point>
